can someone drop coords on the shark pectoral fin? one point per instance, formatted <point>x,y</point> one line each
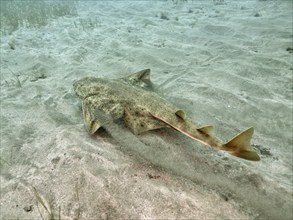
<point>141,79</point>
<point>239,146</point>
<point>206,129</point>
<point>92,125</point>
<point>181,114</point>
<point>141,75</point>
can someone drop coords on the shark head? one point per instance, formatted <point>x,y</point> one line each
<point>89,86</point>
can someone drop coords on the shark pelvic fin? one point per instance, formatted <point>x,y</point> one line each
<point>181,114</point>
<point>206,129</point>
<point>239,146</point>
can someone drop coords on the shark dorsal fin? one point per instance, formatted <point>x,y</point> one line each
<point>181,114</point>
<point>140,79</point>
<point>206,129</point>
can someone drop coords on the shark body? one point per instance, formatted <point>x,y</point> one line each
<point>132,100</point>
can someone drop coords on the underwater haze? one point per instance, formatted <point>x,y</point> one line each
<point>226,63</point>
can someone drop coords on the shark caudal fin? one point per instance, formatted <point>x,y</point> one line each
<point>239,146</point>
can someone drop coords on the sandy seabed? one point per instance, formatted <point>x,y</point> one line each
<point>226,63</point>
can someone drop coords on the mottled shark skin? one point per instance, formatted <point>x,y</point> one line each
<point>132,100</point>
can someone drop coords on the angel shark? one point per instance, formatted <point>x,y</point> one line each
<point>132,100</point>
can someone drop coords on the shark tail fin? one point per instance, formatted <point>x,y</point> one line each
<point>239,146</point>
